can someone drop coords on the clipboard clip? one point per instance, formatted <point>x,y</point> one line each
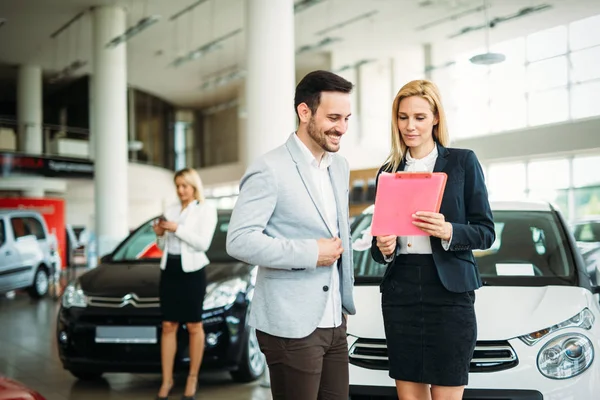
<point>413,175</point>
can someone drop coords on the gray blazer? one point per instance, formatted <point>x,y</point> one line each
<point>275,224</point>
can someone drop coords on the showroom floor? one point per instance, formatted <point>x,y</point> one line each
<point>28,354</point>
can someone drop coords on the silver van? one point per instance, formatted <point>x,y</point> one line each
<point>26,252</point>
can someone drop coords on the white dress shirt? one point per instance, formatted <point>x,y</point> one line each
<point>173,242</point>
<point>332,316</point>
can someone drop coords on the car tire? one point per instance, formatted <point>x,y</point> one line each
<point>41,283</point>
<point>86,375</point>
<point>252,363</point>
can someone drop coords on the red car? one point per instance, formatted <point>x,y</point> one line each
<point>13,390</point>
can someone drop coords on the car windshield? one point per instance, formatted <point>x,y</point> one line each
<point>141,244</point>
<point>530,250</point>
<point>588,232</point>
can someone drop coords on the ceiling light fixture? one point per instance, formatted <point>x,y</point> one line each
<point>355,65</point>
<point>142,24</point>
<point>220,107</point>
<point>304,4</point>
<point>186,10</point>
<point>204,49</point>
<point>67,72</point>
<point>319,45</point>
<point>347,22</point>
<point>487,58</point>
<point>223,79</point>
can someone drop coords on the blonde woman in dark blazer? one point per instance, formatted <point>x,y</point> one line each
<point>184,234</point>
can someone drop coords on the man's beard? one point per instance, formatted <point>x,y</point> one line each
<point>321,137</point>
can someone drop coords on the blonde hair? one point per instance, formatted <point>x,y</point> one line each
<point>192,178</point>
<point>430,92</point>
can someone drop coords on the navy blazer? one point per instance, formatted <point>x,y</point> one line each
<point>466,206</point>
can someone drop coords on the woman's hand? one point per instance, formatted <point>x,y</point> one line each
<point>387,244</point>
<point>168,225</point>
<point>434,224</point>
<point>157,229</point>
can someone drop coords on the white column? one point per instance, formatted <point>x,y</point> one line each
<point>29,109</point>
<point>270,81</point>
<point>109,132</point>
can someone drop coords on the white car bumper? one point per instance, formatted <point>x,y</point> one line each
<point>522,382</point>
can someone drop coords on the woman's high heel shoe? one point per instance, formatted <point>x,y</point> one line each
<point>192,397</point>
<point>167,396</point>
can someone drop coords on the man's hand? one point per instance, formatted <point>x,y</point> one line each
<point>330,250</point>
<point>387,244</point>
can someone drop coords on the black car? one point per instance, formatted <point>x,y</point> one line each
<point>110,320</point>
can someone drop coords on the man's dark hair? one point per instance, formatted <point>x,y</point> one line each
<point>310,87</point>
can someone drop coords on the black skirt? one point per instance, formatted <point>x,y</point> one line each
<point>430,331</point>
<point>181,293</point>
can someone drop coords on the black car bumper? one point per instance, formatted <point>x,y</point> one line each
<point>385,393</point>
<point>225,331</point>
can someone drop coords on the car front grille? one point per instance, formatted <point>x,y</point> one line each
<point>488,356</point>
<point>128,300</point>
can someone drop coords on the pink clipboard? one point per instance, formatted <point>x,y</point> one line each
<point>399,195</point>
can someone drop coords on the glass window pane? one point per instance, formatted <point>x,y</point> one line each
<point>547,74</point>
<point>585,171</point>
<point>587,201</point>
<point>558,198</point>
<point>507,78</point>
<point>472,119</point>
<point>506,181</point>
<point>549,106</point>
<point>513,49</point>
<point>547,43</point>
<point>508,112</point>
<point>548,174</point>
<point>585,100</point>
<point>585,64</point>
<point>585,33</point>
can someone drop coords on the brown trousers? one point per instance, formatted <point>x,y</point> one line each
<point>311,368</point>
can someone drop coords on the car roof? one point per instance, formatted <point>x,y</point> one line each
<point>17,211</point>
<point>504,206</point>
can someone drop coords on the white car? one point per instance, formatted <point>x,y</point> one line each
<point>538,316</point>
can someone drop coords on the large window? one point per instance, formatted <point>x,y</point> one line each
<point>572,184</point>
<point>549,76</point>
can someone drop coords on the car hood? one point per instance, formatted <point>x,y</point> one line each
<point>502,312</point>
<point>120,279</point>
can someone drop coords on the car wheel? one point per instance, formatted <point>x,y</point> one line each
<point>252,364</point>
<point>41,283</point>
<point>86,375</point>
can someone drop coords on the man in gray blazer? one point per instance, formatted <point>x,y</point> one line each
<point>291,219</point>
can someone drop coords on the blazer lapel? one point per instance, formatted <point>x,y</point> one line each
<point>336,175</point>
<point>441,161</point>
<point>306,176</point>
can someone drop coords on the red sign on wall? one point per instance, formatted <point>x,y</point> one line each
<point>53,212</point>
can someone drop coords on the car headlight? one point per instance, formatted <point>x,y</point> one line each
<point>565,356</point>
<point>221,294</point>
<point>583,320</point>
<point>74,296</point>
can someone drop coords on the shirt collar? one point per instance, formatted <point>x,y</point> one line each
<point>427,159</point>
<point>310,158</point>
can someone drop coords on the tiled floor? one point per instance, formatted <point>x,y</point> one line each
<point>28,354</point>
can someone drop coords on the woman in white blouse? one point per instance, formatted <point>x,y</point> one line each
<point>184,234</point>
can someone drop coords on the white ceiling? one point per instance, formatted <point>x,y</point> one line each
<point>25,37</point>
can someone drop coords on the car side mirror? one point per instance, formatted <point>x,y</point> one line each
<point>105,258</point>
